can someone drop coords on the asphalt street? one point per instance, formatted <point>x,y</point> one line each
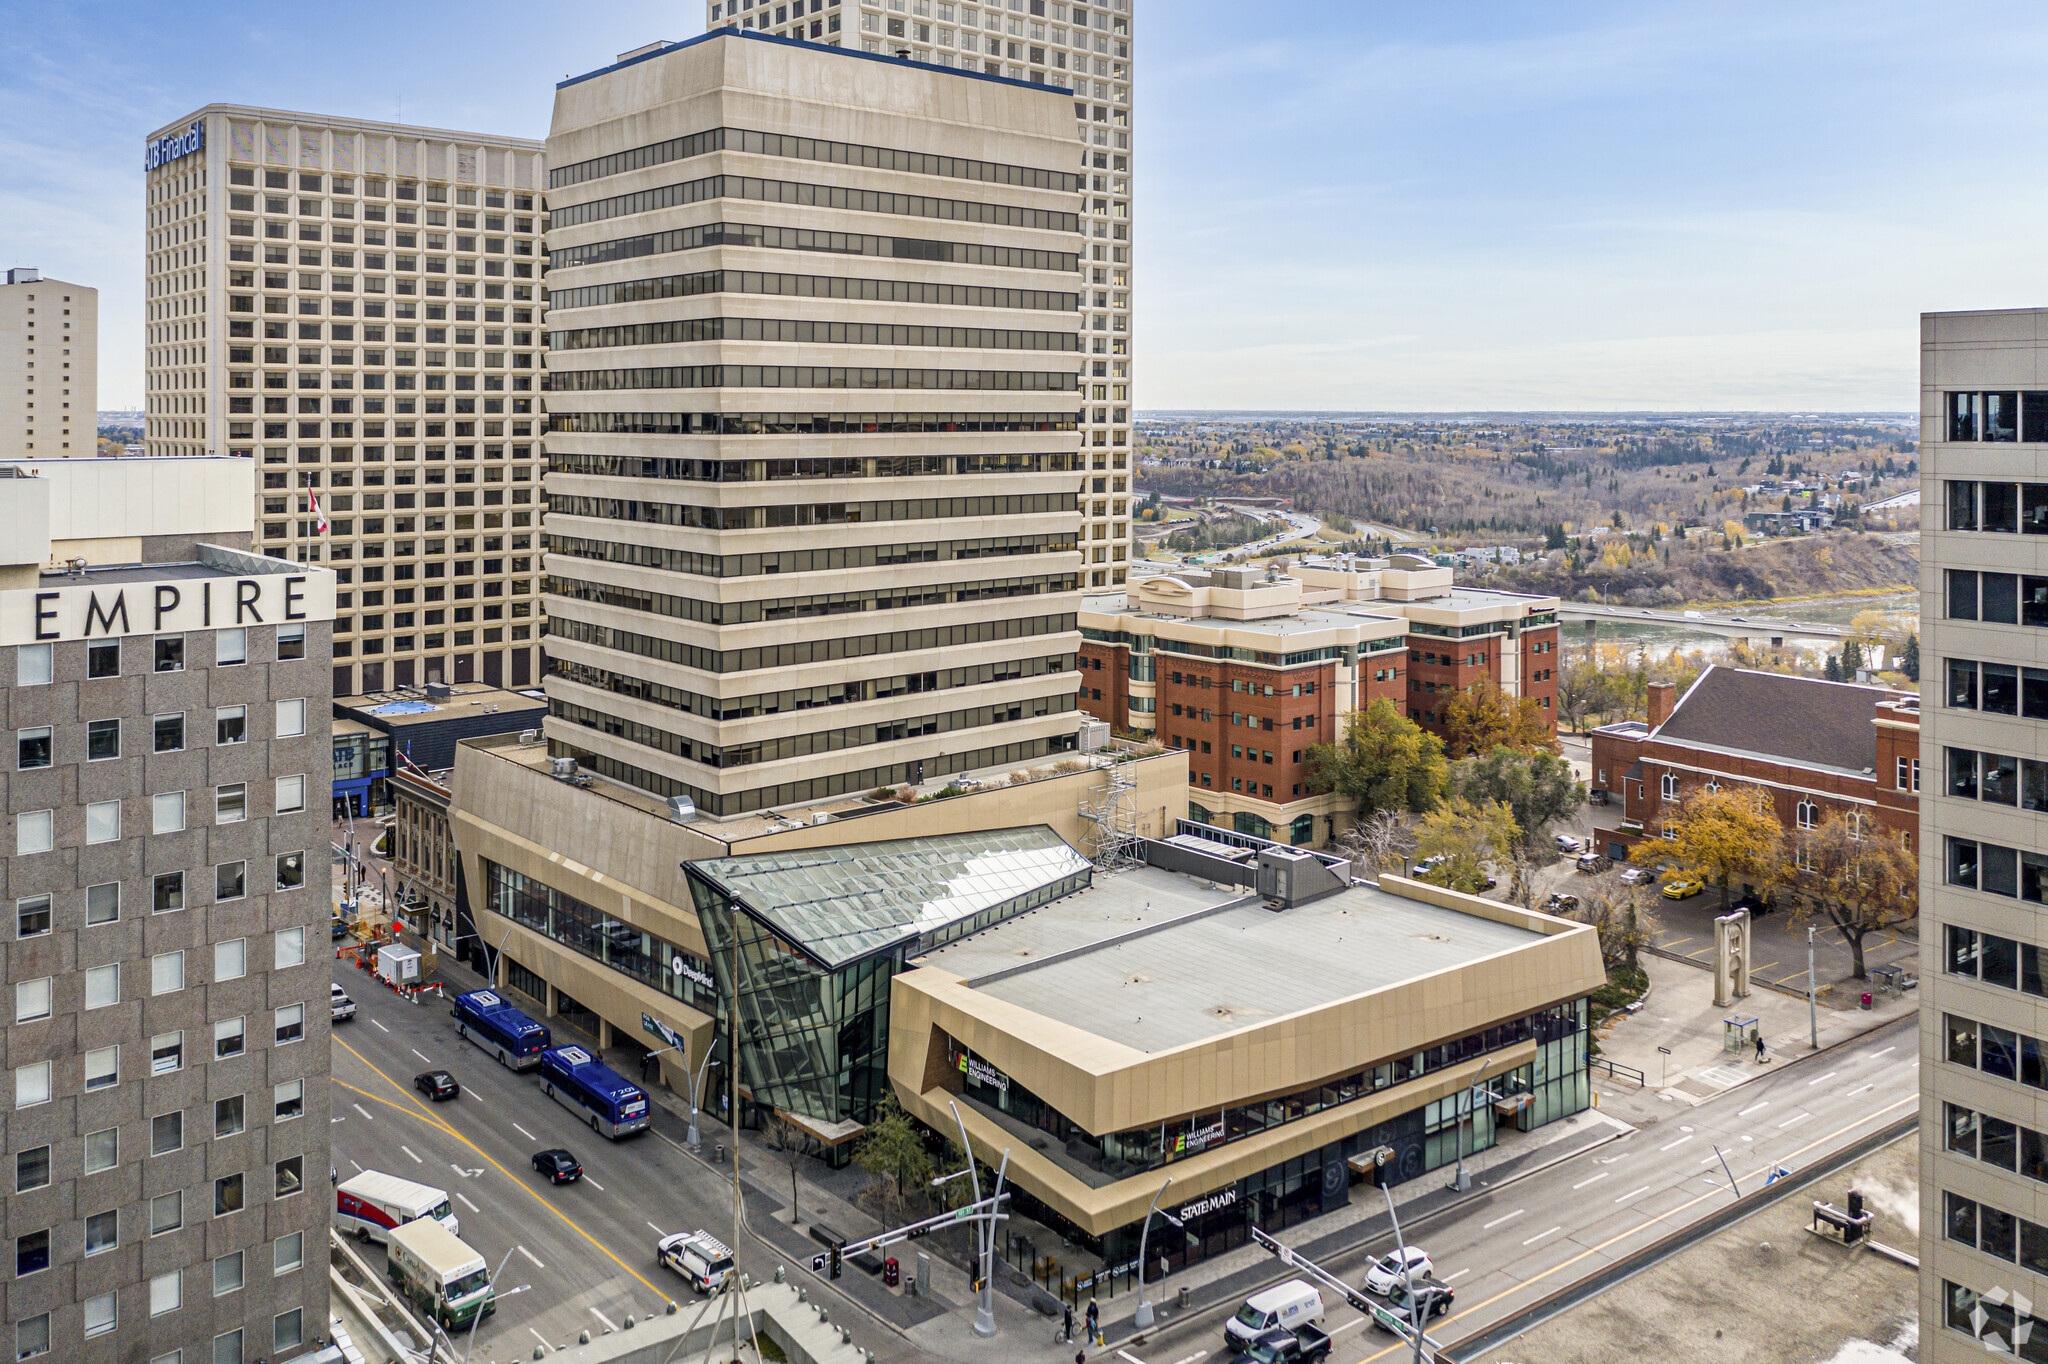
<point>1500,1250</point>
<point>586,1249</point>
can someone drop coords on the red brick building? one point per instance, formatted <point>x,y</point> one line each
<point>1817,747</point>
<point>1245,668</point>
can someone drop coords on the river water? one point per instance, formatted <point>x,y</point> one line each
<point>1660,638</point>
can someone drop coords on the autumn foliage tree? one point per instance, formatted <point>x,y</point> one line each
<point>1718,836</point>
<point>1384,761</point>
<point>1485,718</point>
<point>1470,837</point>
<point>1860,880</point>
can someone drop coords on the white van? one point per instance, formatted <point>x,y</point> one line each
<point>372,1203</point>
<point>1293,1304</point>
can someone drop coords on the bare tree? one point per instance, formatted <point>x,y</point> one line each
<point>794,1143</point>
<point>1616,913</point>
<point>1379,841</point>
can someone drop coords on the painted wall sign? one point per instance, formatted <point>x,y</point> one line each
<point>167,149</point>
<point>95,611</point>
<point>984,1074</point>
<point>1199,1139</point>
<point>1222,1198</point>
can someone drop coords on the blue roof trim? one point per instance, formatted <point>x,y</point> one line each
<point>755,35</point>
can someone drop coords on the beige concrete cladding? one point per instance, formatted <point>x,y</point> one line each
<point>1006,561</point>
<point>629,855</point>
<point>49,368</point>
<point>2001,351</point>
<point>1106,1086</point>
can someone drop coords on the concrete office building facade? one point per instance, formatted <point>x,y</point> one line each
<point>167,1057</point>
<point>1084,49</point>
<point>1984,847</point>
<point>813,391</point>
<point>49,367</point>
<point>356,308</point>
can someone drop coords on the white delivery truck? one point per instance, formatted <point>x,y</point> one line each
<point>439,1274</point>
<point>1288,1306</point>
<point>372,1203</point>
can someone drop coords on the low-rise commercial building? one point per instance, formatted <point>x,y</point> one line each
<point>377,735</point>
<point>1816,747</point>
<point>1245,668</point>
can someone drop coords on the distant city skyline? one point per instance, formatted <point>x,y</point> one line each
<point>1587,207</point>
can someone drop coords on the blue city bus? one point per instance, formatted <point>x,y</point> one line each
<point>592,1090</point>
<point>486,1019</point>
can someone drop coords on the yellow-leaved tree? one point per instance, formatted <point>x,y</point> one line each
<point>1468,837</point>
<point>1861,878</point>
<point>1718,836</point>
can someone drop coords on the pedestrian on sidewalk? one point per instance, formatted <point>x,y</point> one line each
<point>1759,1046</point>
<point>1067,1322</point>
<point>1094,1315</point>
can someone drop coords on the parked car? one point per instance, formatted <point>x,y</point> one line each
<point>558,1165</point>
<point>1430,864</point>
<point>1591,864</point>
<point>1682,889</point>
<point>1386,1275</point>
<point>337,928</point>
<point>1567,844</point>
<point>1637,876</point>
<point>436,1085</point>
<point>1561,904</point>
<point>1306,1344</point>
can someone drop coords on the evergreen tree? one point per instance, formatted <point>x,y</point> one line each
<point>1834,669</point>
<point>1852,659</point>
<point>1910,664</point>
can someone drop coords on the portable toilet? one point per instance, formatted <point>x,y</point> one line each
<point>398,965</point>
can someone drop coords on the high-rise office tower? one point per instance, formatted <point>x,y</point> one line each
<point>1983,840</point>
<point>356,308</point>
<point>813,370</point>
<point>1084,48</point>
<point>165,876</point>
<point>49,367</point>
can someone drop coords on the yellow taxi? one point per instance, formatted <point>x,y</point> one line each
<point>1682,890</point>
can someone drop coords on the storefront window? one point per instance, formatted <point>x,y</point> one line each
<point>564,919</point>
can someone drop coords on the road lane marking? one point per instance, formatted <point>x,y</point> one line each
<point>1874,1055</point>
<point>359,1169</point>
<point>1818,1079</point>
<point>1204,1354</point>
<point>524,1133</point>
<point>1797,1117</point>
<point>1627,1196</point>
<point>1400,1346</point>
<point>1509,1218</point>
<point>332,1121</point>
<point>1355,1321</point>
<point>1754,1108</point>
<point>656,1230</point>
<point>1446,1279</point>
<point>1709,1160</point>
<point>593,1183</point>
<point>538,1265</point>
<point>1131,1357</point>
<point>415,1109</point>
<point>467,1204</point>
<point>364,1111</point>
<point>1680,1142</point>
<point>593,1311</point>
<point>1594,1180</point>
<point>1541,1234</point>
<point>539,1337</point>
<point>380,1026</point>
<point>422,1055</point>
<point>1854,1092</point>
<point>415,1159</point>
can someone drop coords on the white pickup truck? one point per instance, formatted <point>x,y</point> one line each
<point>343,1007</point>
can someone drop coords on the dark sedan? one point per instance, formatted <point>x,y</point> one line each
<point>436,1085</point>
<point>558,1165</point>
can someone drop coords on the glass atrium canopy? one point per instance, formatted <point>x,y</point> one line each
<point>837,905</point>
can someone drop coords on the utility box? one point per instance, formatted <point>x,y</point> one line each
<point>398,965</point>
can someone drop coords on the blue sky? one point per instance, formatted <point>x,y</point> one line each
<point>1362,205</point>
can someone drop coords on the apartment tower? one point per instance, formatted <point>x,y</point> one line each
<point>356,307</point>
<point>49,367</point>
<point>165,873</point>
<point>813,392</point>
<point>1984,833</point>
<point>1084,49</point>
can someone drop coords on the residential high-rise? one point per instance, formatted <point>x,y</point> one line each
<point>165,873</point>
<point>356,308</point>
<point>813,372</point>
<point>1084,48</point>
<point>1982,840</point>
<point>49,367</point>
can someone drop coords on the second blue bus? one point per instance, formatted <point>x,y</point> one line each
<point>592,1090</point>
<point>486,1019</point>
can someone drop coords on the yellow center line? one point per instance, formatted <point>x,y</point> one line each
<point>517,1183</point>
<point>1641,1226</point>
<point>427,1118</point>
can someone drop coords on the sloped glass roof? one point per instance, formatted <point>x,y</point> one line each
<point>840,904</point>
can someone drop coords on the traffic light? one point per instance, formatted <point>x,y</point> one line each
<point>835,1260</point>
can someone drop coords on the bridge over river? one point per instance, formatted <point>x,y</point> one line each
<point>1728,626</point>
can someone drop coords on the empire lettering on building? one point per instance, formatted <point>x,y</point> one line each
<point>94,611</point>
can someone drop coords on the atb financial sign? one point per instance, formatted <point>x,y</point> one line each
<point>168,149</point>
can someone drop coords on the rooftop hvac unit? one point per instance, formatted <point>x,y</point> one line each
<point>682,809</point>
<point>821,817</point>
<point>529,737</point>
<point>440,690</point>
<point>563,769</point>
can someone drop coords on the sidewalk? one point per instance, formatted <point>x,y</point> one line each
<point>1680,1015</point>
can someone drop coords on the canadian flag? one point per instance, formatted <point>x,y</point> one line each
<point>313,510</point>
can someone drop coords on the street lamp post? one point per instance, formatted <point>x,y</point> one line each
<point>985,1300</point>
<point>1143,1319</point>
<point>691,1139</point>
<point>1812,1014</point>
<point>1462,1181</point>
<point>476,1320</point>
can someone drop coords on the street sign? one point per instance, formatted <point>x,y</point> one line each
<point>817,1264</point>
<point>668,1035</point>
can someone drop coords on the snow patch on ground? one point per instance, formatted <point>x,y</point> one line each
<point>1902,1350</point>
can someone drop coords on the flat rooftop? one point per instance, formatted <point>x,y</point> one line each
<point>151,573</point>
<point>415,707</point>
<point>1155,960</point>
